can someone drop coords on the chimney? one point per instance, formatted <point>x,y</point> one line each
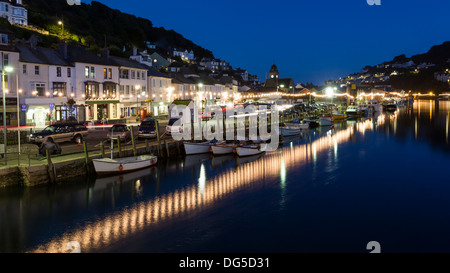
<point>63,50</point>
<point>105,53</point>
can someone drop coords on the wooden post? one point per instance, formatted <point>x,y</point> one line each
<point>178,148</point>
<point>158,138</point>
<point>133,143</point>
<point>50,167</point>
<point>119,147</point>
<point>86,156</point>
<point>167,148</point>
<point>102,149</point>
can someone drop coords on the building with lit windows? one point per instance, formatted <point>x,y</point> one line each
<point>133,90</point>
<point>10,59</point>
<point>47,84</point>
<point>161,92</point>
<point>14,12</point>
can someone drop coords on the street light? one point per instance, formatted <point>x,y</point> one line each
<point>138,87</point>
<point>7,69</point>
<point>61,23</point>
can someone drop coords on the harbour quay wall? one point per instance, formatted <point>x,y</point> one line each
<point>64,168</point>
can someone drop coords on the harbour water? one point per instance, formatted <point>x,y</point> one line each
<point>383,179</point>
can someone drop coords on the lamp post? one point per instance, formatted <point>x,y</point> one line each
<point>138,109</point>
<point>61,23</point>
<point>6,69</point>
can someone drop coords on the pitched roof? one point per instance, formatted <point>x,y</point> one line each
<point>124,62</point>
<point>41,56</point>
<point>151,72</point>
<point>78,54</point>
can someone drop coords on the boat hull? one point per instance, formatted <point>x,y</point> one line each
<point>248,151</point>
<point>107,166</point>
<point>222,149</point>
<point>196,148</point>
<point>325,122</point>
<point>290,132</point>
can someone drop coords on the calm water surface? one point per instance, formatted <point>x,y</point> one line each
<point>384,179</point>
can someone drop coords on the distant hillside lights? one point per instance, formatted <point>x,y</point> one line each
<point>374,2</point>
<point>74,2</point>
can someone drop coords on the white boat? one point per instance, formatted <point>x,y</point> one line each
<point>375,105</point>
<point>311,122</point>
<point>290,131</point>
<point>326,121</point>
<point>248,150</point>
<point>106,166</point>
<point>293,129</point>
<point>192,148</point>
<point>223,149</point>
<point>354,111</point>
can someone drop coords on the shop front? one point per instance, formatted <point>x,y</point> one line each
<point>102,110</point>
<point>160,108</point>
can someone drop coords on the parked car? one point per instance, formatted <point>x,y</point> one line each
<point>60,132</point>
<point>119,130</point>
<point>147,129</point>
<point>173,128</point>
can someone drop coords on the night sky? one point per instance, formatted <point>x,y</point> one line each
<point>310,40</point>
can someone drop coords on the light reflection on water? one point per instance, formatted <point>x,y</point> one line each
<point>209,181</point>
<point>142,215</point>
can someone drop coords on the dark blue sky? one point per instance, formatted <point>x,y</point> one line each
<point>311,40</point>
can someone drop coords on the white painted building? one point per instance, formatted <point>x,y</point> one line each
<point>9,57</point>
<point>47,84</point>
<point>160,91</point>
<point>185,55</point>
<point>14,12</point>
<point>133,90</point>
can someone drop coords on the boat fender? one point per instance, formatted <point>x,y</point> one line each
<point>120,167</point>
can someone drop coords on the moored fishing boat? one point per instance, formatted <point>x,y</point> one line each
<point>326,121</point>
<point>354,112</point>
<point>293,129</point>
<point>223,148</point>
<point>248,150</point>
<point>107,166</point>
<point>192,148</point>
<point>312,122</point>
<point>339,117</point>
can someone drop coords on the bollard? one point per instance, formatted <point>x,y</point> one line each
<point>86,156</point>
<point>158,137</point>
<point>50,168</point>
<point>102,149</point>
<point>167,148</point>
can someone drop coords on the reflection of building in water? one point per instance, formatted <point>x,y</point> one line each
<point>143,214</point>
